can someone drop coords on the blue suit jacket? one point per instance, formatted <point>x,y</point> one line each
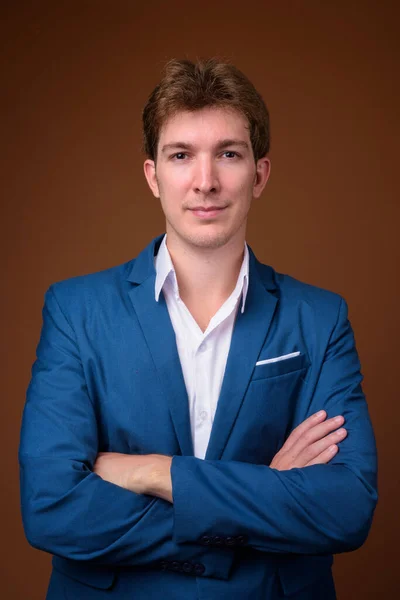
<point>108,378</point>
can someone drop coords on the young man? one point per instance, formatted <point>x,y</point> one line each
<point>181,432</point>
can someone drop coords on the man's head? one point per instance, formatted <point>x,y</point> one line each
<point>206,135</point>
<point>188,86</point>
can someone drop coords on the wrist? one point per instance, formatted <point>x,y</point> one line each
<point>158,482</point>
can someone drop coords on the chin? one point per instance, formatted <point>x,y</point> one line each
<point>209,241</point>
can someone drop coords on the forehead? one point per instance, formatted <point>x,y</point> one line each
<point>204,125</point>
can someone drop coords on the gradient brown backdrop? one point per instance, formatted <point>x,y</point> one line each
<point>75,76</point>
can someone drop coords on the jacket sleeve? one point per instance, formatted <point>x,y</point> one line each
<point>67,509</point>
<point>317,509</point>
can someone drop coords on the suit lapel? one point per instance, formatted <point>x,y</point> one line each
<point>157,329</point>
<point>248,337</point>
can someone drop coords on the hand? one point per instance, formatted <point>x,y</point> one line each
<point>141,474</point>
<point>313,442</point>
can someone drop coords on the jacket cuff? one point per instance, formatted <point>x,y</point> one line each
<point>189,506</point>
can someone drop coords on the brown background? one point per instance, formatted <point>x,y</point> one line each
<point>75,76</point>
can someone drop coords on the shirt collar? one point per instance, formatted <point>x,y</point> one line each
<point>165,271</point>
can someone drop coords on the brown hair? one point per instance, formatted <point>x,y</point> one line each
<point>192,86</point>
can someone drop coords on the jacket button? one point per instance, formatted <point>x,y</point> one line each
<point>163,565</point>
<point>241,540</point>
<point>218,541</point>
<point>187,567</point>
<point>175,566</point>
<point>206,540</point>
<point>199,569</point>
<point>230,541</point>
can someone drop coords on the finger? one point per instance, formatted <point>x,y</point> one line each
<point>305,426</point>
<point>311,430</point>
<point>325,456</point>
<point>311,452</point>
<point>333,438</point>
<point>318,432</point>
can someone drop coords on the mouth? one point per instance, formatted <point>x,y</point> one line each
<point>207,212</point>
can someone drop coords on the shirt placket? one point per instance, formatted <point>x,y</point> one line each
<point>202,393</point>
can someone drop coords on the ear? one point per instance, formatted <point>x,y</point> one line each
<point>263,170</point>
<point>149,168</point>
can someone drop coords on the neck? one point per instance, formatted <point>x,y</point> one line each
<point>206,275</point>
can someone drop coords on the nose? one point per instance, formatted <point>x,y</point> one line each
<point>205,176</point>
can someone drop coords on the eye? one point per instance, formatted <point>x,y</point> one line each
<point>230,154</point>
<point>179,155</point>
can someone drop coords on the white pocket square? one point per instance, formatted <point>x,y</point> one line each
<point>277,358</point>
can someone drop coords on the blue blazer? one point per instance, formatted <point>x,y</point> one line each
<point>108,378</point>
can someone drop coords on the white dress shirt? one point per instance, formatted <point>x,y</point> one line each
<point>203,355</point>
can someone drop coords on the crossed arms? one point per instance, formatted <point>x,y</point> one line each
<point>309,500</point>
<point>313,442</point>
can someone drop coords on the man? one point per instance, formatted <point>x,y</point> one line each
<point>182,428</point>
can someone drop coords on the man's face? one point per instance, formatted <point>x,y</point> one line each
<point>206,177</point>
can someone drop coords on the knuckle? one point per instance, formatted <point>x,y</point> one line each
<point>302,427</point>
<point>309,453</point>
<point>327,429</point>
<point>305,456</point>
<point>336,435</point>
<point>308,437</point>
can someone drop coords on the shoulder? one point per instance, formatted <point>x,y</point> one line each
<point>296,295</point>
<point>303,291</point>
<point>105,285</point>
<point>92,287</point>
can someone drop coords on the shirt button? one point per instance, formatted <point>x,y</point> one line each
<point>203,415</point>
<point>203,347</point>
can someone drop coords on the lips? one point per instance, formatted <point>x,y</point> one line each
<point>207,208</point>
<point>207,212</point>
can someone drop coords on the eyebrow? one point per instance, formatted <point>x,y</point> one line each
<point>219,145</point>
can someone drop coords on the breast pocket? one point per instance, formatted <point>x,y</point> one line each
<point>268,409</point>
<point>280,366</point>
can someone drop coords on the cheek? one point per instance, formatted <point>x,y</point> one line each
<point>180,182</point>
<point>239,179</point>
<point>175,184</point>
<point>241,190</point>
